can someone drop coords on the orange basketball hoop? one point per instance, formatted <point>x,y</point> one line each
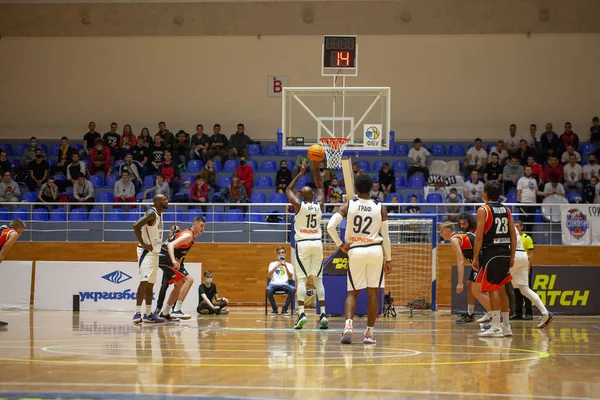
<point>334,148</point>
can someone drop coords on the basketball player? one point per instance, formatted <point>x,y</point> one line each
<point>172,255</point>
<point>149,233</point>
<point>309,245</point>
<point>9,236</point>
<point>496,239</point>
<point>367,243</point>
<point>166,278</point>
<point>520,275</point>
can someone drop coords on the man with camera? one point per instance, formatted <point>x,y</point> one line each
<point>281,273</point>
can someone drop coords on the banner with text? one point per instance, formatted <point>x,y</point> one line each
<point>15,286</point>
<point>575,224</point>
<point>594,215</point>
<point>100,286</point>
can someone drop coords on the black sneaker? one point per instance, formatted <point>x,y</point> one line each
<point>168,317</point>
<point>323,322</point>
<point>157,311</point>
<point>2,323</point>
<point>527,317</point>
<point>284,312</point>
<point>275,312</point>
<point>516,317</point>
<point>302,320</point>
<point>465,318</point>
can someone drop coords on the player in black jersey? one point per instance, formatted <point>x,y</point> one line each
<point>493,255</point>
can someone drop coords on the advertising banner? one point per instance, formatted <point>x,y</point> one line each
<point>15,285</point>
<point>575,223</point>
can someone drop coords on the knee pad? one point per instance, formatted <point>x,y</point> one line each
<point>318,281</point>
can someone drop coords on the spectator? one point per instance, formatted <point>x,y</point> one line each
<point>181,149</point>
<point>454,206</point>
<point>111,140</point>
<point>387,179</point>
<point>238,143</point>
<point>533,142</point>
<point>335,194</point>
<point>199,147</point>
<point>376,193</point>
<point>218,144</point>
<point>570,150</point>
<point>553,169</point>
<point>573,174</point>
<point>127,141</point>
<point>551,144</point>
<point>569,138</point>
<point>355,170</point>
<point>38,171</point>
<point>48,192</point>
<point>527,192</point>
<point>157,154</point>
<point>65,154</point>
<point>473,189</point>
<point>145,135</point>
<point>170,171</point>
<point>283,177</point>
<point>89,139</point>
<point>554,187</point>
<point>536,170</point>
<point>524,152</point>
<point>511,173</point>
<point>75,168</point>
<point>393,209</point>
<point>246,174</point>
<point>281,275</point>
<point>209,175</point>
<point>29,154</point>
<point>124,190</point>
<point>5,164</point>
<point>589,190</point>
<point>83,191</point>
<point>100,158</point>
<point>140,153</point>
<point>419,159</point>
<point>235,192</point>
<point>591,169</point>
<point>9,189</point>
<point>161,187</point>
<point>199,192</point>
<point>512,140</point>
<point>475,159</point>
<point>166,136</point>
<point>325,175</point>
<point>493,171</point>
<point>500,151</point>
<point>209,301</point>
<point>134,171</point>
<point>595,133</point>
<point>412,208</point>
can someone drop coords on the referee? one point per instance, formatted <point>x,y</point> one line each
<point>519,298</point>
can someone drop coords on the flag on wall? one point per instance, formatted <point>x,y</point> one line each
<point>575,223</point>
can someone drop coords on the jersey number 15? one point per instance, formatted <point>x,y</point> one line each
<point>311,221</point>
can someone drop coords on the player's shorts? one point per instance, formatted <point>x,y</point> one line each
<point>520,269</point>
<point>148,263</point>
<point>169,272</point>
<point>309,258</point>
<point>365,267</point>
<point>473,275</point>
<point>494,272</point>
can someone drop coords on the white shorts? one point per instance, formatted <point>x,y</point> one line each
<point>309,258</point>
<point>520,269</point>
<point>148,263</point>
<point>365,267</point>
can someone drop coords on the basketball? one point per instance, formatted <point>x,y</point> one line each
<point>316,152</point>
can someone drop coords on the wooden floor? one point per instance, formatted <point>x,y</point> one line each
<point>247,355</point>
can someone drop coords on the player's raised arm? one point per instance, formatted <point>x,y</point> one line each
<point>148,218</point>
<point>481,216</point>
<point>289,191</point>
<point>184,239</point>
<point>387,245</point>
<point>319,183</point>
<point>334,221</point>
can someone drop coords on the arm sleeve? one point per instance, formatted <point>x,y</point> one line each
<point>335,220</point>
<point>387,246</point>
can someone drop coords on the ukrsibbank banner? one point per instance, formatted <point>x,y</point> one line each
<point>575,225</point>
<point>594,213</point>
<point>15,285</point>
<point>100,286</point>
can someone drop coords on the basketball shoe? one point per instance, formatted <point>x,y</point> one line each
<point>347,334</point>
<point>152,319</point>
<point>323,322</point>
<point>137,318</point>
<point>302,320</point>
<point>369,338</point>
<point>546,320</point>
<point>180,315</point>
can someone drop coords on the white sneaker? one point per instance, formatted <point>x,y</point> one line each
<point>546,320</point>
<point>492,332</point>
<point>487,317</point>
<point>506,331</point>
<point>369,338</point>
<point>347,335</point>
<point>180,315</point>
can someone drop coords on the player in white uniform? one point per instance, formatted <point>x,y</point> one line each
<point>367,244</point>
<point>149,233</point>
<point>309,245</point>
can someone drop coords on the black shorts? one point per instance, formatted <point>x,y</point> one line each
<point>494,272</point>
<point>473,275</point>
<point>169,272</point>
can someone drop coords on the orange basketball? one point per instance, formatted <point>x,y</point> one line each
<point>316,152</point>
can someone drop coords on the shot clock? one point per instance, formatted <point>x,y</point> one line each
<point>340,55</point>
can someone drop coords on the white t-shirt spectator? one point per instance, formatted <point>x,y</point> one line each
<point>502,155</point>
<point>419,155</point>
<point>590,170</point>
<point>571,173</point>
<point>559,189</point>
<point>512,142</point>
<point>565,157</point>
<point>279,276</point>
<point>528,188</point>
<point>477,155</point>
<point>473,192</point>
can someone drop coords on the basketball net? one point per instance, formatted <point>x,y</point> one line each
<point>334,148</point>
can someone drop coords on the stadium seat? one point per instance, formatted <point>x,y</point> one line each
<point>364,165</point>
<point>217,166</point>
<point>271,149</point>
<point>434,198</point>
<point>194,166</point>
<point>21,213</point>
<point>97,181</point>
<point>30,197</point>
<point>193,213</point>
<point>4,214</point>
<point>400,182</point>
<point>54,150</point>
<point>574,198</point>
<point>511,197</point>
<point>139,196</point>
<point>290,164</point>
<point>230,166</point>
<point>58,215</point>
<point>118,163</point>
<point>95,215</point>
<point>39,214</point>
<point>258,197</point>
<point>16,162</point>
<point>52,162</point>
<point>44,148</point>
<point>8,149</point>
<point>20,149</point>
<point>133,216</point>
<point>105,197</point>
<point>149,181</point>
<point>377,165</point>
<point>277,198</point>
<point>60,177</point>
<point>388,198</point>
<point>224,180</point>
<point>116,215</point>
<point>183,194</point>
<point>214,217</point>
<point>111,180</point>
<point>416,182</point>
<point>586,149</point>
<point>264,182</point>
<point>234,216</point>
<point>77,215</point>
<point>438,150</point>
<point>257,217</point>
<point>253,164</point>
<point>78,147</point>
<point>304,179</point>
<point>456,150</point>
<point>268,166</point>
<point>401,149</point>
<point>170,216</point>
<point>254,150</point>
<point>400,166</point>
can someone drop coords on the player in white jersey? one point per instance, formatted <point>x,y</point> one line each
<point>149,233</point>
<point>309,245</point>
<point>367,245</point>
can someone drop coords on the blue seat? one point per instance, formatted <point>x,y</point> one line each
<point>438,150</point>
<point>291,164</point>
<point>586,149</point>
<point>511,197</point>
<point>105,197</point>
<point>253,164</point>
<point>217,165</point>
<point>271,149</point>
<point>377,165</point>
<point>54,150</point>
<point>416,182</point>
<point>171,216</point>
<point>77,215</point>
<point>39,214</point>
<point>118,163</point>
<point>133,216</point>
<point>388,198</point>
<point>111,180</point>
<point>268,166</point>
<point>194,166</point>
<point>52,162</point>
<point>224,180</point>
<point>60,177</point>
<point>5,214</point>
<point>257,217</point>
<point>20,149</point>
<point>230,165</point>
<point>44,148</point>
<point>30,197</point>
<point>364,165</point>
<point>8,149</point>
<point>277,198</point>
<point>234,216</point>
<point>258,197</point>
<point>21,213</point>
<point>574,198</point>
<point>304,179</point>
<point>58,215</point>
<point>400,166</point>
<point>400,182</point>
<point>456,150</point>
<point>401,149</point>
<point>264,182</point>
<point>149,181</point>
<point>16,162</point>
<point>183,194</point>
<point>97,181</point>
<point>434,198</point>
<point>214,217</point>
<point>193,213</point>
<point>116,215</point>
<point>95,215</point>
<point>254,150</point>
<point>139,196</point>
<point>78,147</point>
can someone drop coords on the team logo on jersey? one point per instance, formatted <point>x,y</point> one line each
<point>577,223</point>
<point>117,277</point>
